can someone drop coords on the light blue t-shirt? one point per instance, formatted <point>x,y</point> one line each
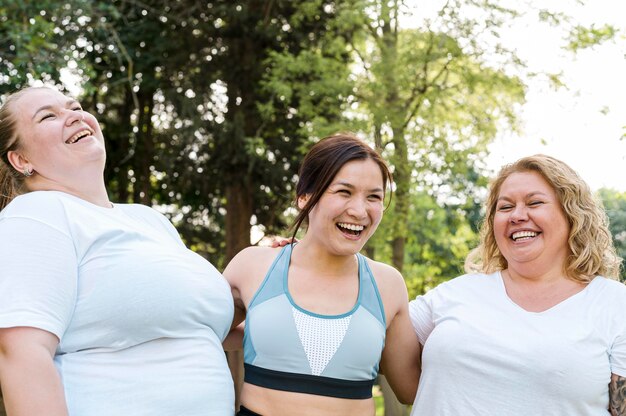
<point>140,317</point>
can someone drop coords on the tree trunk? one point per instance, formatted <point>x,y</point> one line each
<point>402,179</point>
<point>243,122</point>
<point>238,214</point>
<point>402,170</point>
<point>144,156</point>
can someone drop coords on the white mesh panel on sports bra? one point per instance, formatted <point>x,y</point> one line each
<point>320,338</point>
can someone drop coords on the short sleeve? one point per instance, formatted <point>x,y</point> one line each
<point>38,275</point>
<point>617,353</point>
<point>421,314</point>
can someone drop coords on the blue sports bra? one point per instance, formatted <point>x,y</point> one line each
<point>289,348</point>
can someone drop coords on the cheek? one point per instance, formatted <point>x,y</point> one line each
<point>36,149</point>
<point>93,123</point>
<point>376,213</point>
<point>500,240</point>
<point>499,228</point>
<point>563,228</point>
<point>91,120</point>
<point>500,222</point>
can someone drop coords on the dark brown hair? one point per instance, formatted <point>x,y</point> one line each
<point>321,164</point>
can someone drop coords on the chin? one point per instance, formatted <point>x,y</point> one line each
<point>350,250</point>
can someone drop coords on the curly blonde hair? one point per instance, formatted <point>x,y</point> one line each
<point>590,242</point>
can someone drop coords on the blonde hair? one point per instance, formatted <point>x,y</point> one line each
<point>590,242</point>
<point>11,181</point>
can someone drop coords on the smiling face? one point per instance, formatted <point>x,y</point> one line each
<point>349,211</point>
<point>57,139</point>
<point>529,225</point>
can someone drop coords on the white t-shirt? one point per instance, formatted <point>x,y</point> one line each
<point>140,317</point>
<point>484,355</point>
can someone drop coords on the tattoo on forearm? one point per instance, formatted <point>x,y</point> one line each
<point>617,396</point>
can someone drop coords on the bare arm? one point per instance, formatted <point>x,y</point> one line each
<point>244,273</point>
<point>30,382</point>
<point>401,358</point>
<point>617,395</point>
<point>234,339</point>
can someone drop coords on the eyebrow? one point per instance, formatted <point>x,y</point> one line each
<point>529,195</point>
<point>68,103</point>
<point>349,185</point>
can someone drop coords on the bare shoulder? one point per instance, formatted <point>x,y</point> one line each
<point>250,265</point>
<point>253,255</point>
<point>387,276</point>
<point>391,286</point>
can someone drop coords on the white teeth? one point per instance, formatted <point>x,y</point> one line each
<point>78,136</point>
<point>523,234</point>
<point>352,227</point>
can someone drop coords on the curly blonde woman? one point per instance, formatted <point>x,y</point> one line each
<point>536,326</point>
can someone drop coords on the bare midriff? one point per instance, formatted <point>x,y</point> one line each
<point>268,402</point>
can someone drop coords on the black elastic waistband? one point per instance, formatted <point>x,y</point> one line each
<point>307,383</point>
<point>244,411</point>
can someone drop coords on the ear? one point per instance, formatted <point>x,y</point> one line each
<point>302,200</point>
<point>19,161</point>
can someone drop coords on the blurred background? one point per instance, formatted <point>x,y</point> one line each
<point>208,106</point>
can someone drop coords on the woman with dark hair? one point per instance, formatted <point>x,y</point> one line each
<point>320,318</point>
<point>104,310</point>
<point>537,325</point>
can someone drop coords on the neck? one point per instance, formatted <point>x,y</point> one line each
<point>307,254</point>
<point>94,192</point>
<point>531,276</point>
<point>539,294</point>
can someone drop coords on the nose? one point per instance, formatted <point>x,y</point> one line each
<point>74,116</point>
<point>357,208</point>
<point>518,214</point>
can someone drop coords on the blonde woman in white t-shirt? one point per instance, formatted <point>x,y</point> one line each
<point>537,326</point>
<point>104,310</point>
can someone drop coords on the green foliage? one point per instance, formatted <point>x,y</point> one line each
<point>37,40</point>
<point>227,107</point>
<point>202,99</point>
<point>438,239</point>
<point>434,103</point>
<point>615,206</point>
<point>582,37</point>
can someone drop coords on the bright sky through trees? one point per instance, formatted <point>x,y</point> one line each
<point>584,123</point>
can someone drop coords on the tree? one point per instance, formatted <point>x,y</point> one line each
<point>434,103</point>
<point>615,205</point>
<point>220,119</point>
<point>435,95</point>
<point>37,40</point>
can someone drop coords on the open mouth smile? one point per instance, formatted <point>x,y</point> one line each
<point>524,235</point>
<point>78,136</point>
<point>352,229</point>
